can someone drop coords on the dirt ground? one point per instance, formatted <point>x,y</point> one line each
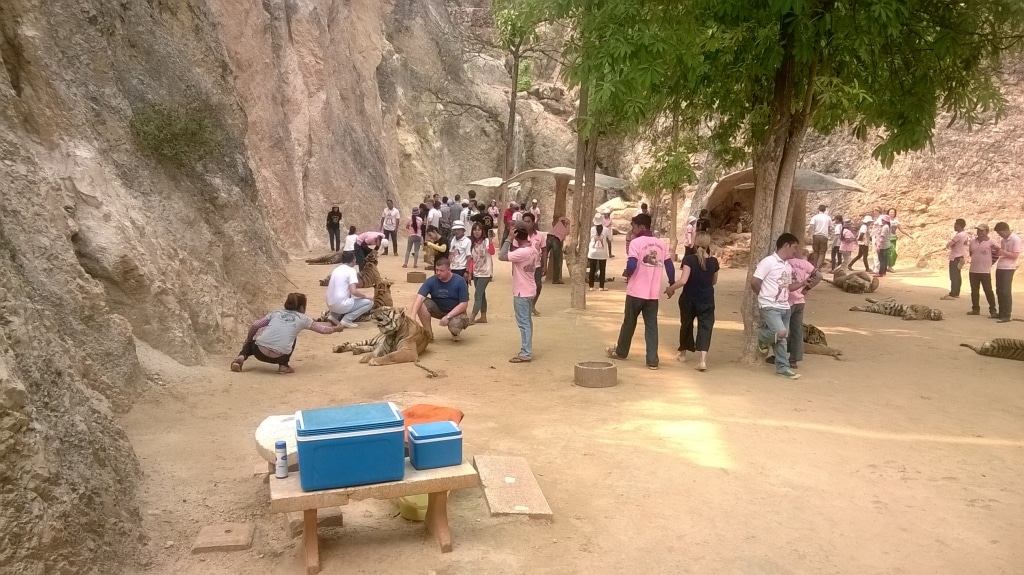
<point>904,458</point>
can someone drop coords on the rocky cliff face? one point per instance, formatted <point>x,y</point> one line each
<point>157,160</point>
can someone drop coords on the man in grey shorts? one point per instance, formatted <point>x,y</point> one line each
<point>444,296</point>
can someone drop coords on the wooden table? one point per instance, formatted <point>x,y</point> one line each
<point>287,495</point>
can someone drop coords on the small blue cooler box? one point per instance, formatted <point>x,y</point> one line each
<point>435,445</point>
<point>350,445</point>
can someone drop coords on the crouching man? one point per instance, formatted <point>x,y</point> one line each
<point>444,296</point>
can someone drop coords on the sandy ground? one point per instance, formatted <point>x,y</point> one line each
<point>904,458</point>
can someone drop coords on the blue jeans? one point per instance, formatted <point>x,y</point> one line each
<point>634,307</point>
<point>776,320</point>
<point>480,295</point>
<point>412,245</point>
<point>524,319</point>
<point>359,307</point>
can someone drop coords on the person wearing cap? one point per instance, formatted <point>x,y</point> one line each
<point>957,246</point>
<point>445,297</point>
<point>882,243</point>
<point>981,250</point>
<point>367,242</point>
<point>535,210</point>
<point>521,253</point>
<point>1009,253</point>
<point>819,228</point>
<point>334,228</point>
<point>597,253</point>
<point>389,219</point>
<point>459,250</point>
<point>415,239</point>
<point>863,241</point>
<point>647,255</point>
<point>688,239</point>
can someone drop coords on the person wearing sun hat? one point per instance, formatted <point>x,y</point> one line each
<point>459,250</point>
<point>981,249</point>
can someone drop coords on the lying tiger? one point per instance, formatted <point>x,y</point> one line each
<point>815,343</point>
<point>1002,347</point>
<point>401,340</point>
<point>890,306</point>
<point>853,282</point>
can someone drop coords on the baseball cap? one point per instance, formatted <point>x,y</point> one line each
<point>521,225</point>
<point>867,220</point>
<point>982,227</point>
<point>458,225</point>
<point>384,244</point>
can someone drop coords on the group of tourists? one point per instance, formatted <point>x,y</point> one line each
<point>984,255</point>
<point>460,257</point>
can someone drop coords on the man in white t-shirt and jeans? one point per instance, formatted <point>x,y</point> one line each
<point>819,226</point>
<point>344,300</point>
<point>389,219</point>
<point>773,280</point>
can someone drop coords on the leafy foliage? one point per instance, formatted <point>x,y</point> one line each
<point>515,22</point>
<point>181,134</point>
<point>862,64</point>
<point>525,81</point>
<point>671,168</point>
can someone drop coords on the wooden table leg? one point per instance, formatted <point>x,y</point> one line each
<point>311,542</point>
<point>437,519</point>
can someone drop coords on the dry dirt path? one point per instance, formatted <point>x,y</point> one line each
<point>905,458</point>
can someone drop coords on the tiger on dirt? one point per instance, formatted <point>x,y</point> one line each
<point>401,340</point>
<point>890,306</point>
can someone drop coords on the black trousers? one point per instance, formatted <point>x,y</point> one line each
<point>956,281</point>
<point>984,281</point>
<point>361,251</point>
<point>837,257</point>
<point>634,308</point>
<point>251,349</point>
<point>1004,282</point>
<point>597,268</point>
<point>705,315</point>
<point>334,234</point>
<point>862,252</point>
<point>392,236</point>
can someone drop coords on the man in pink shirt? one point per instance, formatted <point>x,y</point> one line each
<point>368,241</point>
<point>539,240</point>
<point>957,247</point>
<point>980,275</point>
<point>1009,252</point>
<point>519,250</point>
<point>647,256</point>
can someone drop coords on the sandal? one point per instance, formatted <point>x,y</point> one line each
<point>285,369</point>
<point>520,359</point>
<point>236,366</point>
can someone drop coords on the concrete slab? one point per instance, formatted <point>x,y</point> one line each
<point>510,487</point>
<point>325,517</point>
<point>224,537</point>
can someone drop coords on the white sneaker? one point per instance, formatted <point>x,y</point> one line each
<point>590,289</point>
<point>349,324</point>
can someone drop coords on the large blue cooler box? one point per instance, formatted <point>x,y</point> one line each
<point>350,445</point>
<point>435,445</point>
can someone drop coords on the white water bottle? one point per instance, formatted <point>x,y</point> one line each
<point>281,466</point>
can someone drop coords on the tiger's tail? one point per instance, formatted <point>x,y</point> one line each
<point>971,347</point>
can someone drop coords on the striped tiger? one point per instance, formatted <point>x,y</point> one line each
<point>890,306</point>
<point>815,342</point>
<point>1002,347</point>
<point>401,340</point>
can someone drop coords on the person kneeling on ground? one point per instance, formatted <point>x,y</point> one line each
<point>444,296</point>
<point>345,303</point>
<point>276,343</point>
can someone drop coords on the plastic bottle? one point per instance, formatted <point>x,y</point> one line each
<point>281,466</point>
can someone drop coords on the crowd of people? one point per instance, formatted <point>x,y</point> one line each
<point>457,237</point>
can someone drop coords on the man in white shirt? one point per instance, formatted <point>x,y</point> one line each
<point>819,228</point>
<point>773,280</point>
<point>389,225</point>
<point>1009,252</point>
<point>434,215</point>
<point>344,300</point>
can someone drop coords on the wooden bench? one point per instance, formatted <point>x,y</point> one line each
<point>287,495</point>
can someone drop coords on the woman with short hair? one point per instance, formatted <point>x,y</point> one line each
<point>280,329</point>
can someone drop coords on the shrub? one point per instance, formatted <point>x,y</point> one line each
<point>181,134</point>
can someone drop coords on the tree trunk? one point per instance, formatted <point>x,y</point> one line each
<point>581,206</point>
<point>796,221</point>
<point>561,190</point>
<point>510,126</point>
<point>673,211</point>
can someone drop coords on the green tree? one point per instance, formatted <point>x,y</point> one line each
<point>515,25</point>
<point>762,73</point>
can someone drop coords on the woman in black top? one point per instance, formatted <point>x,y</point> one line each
<point>698,279</point>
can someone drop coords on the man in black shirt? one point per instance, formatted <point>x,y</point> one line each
<point>334,228</point>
